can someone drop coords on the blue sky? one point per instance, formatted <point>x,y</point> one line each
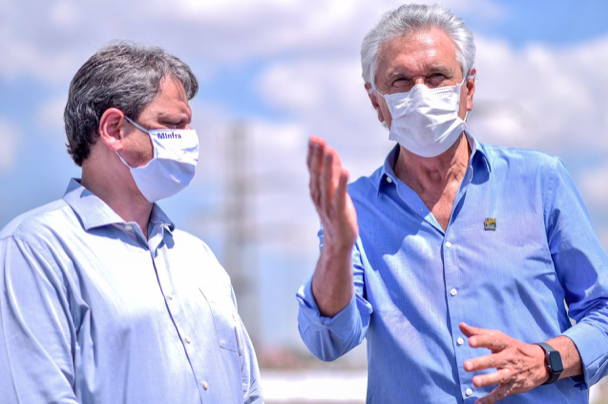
<point>285,70</point>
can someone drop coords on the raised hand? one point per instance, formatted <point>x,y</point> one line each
<point>519,366</point>
<point>328,180</point>
<point>332,283</point>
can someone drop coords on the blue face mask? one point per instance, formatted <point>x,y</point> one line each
<point>173,165</point>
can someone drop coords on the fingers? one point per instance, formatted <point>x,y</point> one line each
<point>316,148</point>
<point>469,331</point>
<point>495,340</point>
<point>484,362</point>
<point>326,180</point>
<point>484,338</point>
<point>501,376</point>
<point>340,196</point>
<point>496,395</point>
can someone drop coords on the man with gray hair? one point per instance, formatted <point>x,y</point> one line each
<point>102,298</point>
<point>454,258</point>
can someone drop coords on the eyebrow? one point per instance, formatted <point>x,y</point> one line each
<point>440,69</point>
<point>430,70</point>
<point>182,116</point>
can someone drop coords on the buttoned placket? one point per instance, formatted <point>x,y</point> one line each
<point>454,282</point>
<point>172,299</point>
<point>449,256</point>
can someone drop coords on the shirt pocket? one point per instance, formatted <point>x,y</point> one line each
<point>225,322</point>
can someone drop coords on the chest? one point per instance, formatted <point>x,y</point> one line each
<point>440,201</point>
<point>405,250</point>
<point>125,292</point>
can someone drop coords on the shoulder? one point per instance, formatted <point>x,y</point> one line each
<point>502,157</point>
<point>36,224</point>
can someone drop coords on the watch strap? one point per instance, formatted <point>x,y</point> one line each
<point>553,361</point>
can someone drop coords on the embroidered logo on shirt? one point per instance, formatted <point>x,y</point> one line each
<point>489,224</point>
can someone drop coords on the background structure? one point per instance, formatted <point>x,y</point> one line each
<point>272,73</point>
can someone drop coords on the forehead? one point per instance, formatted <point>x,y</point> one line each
<point>416,53</point>
<point>171,99</point>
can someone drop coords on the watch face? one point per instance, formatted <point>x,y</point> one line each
<point>555,362</point>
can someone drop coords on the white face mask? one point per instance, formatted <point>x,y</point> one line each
<point>425,121</point>
<point>173,165</point>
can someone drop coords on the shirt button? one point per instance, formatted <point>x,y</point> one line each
<point>468,392</point>
<point>389,179</point>
<point>460,341</point>
<point>188,340</point>
<point>169,296</point>
<point>128,227</point>
<point>453,292</point>
<point>205,385</point>
<point>448,244</point>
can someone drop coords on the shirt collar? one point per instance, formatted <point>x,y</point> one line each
<point>389,162</point>
<point>93,212</point>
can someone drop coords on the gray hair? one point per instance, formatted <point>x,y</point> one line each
<point>411,18</point>
<point>122,75</point>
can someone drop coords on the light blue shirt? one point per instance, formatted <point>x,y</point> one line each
<point>91,312</point>
<point>414,282</point>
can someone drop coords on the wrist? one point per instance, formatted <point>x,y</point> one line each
<point>544,375</point>
<point>333,248</point>
<point>552,363</point>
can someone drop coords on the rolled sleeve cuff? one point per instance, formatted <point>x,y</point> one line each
<point>592,347</point>
<point>341,325</point>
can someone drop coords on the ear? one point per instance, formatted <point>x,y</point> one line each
<point>373,97</point>
<point>470,83</point>
<point>111,128</point>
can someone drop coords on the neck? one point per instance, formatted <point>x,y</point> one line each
<point>113,184</point>
<point>433,174</point>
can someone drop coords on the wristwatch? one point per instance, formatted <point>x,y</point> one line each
<point>554,362</point>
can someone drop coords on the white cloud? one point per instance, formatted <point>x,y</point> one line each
<point>9,138</point>
<point>541,97</point>
<point>212,32</point>
<point>594,186</point>
<point>328,99</point>
<point>64,13</point>
<point>50,116</point>
<point>603,236</point>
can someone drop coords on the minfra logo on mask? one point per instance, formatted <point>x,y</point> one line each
<point>173,165</point>
<point>164,135</point>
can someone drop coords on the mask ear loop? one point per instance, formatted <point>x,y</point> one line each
<point>138,126</point>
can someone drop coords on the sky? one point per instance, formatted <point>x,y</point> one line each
<point>278,71</point>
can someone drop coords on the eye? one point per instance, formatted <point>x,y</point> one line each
<point>401,83</point>
<point>435,79</point>
<point>171,125</point>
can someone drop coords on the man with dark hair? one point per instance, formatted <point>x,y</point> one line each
<point>102,299</point>
<point>454,258</point>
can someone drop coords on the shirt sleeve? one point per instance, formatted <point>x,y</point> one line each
<point>330,338</point>
<point>582,268</point>
<point>250,371</point>
<point>35,328</point>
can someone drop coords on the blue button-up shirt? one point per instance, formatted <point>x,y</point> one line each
<point>519,243</point>
<point>92,312</point>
